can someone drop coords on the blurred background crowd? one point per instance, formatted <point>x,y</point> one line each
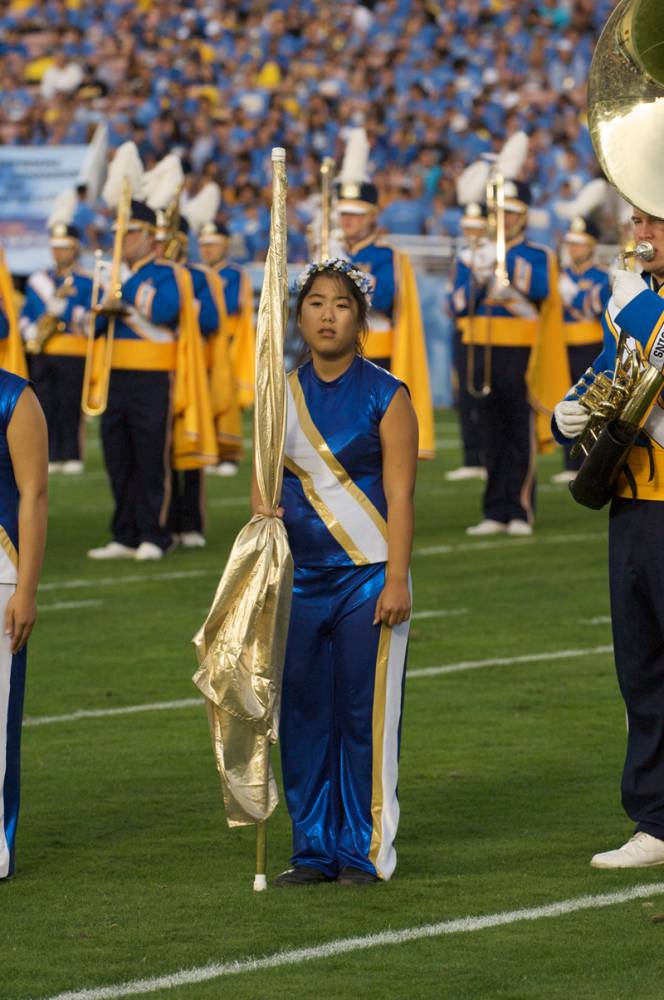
<point>436,85</point>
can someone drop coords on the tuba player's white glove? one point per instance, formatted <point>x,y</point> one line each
<point>626,286</point>
<point>570,417</point>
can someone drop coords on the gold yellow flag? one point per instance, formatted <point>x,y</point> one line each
<point>548,376</point>
<point>12,355</point>
<point>241,646</point>
<point>409,354</point>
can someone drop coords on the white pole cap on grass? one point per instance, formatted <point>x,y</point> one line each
<point>260,881</point>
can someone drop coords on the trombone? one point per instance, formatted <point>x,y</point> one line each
<point>495,198</point>
<point>99,351</point>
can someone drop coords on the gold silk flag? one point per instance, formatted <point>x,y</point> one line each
<point>409,353</point>
<point>548,377</point>
<point>241,646</point>
<point>12,355</point>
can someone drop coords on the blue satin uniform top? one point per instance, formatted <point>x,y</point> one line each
<point>347,413</point>
<point>42,285</point>
<point>593,296</point>
<point>11,387</point>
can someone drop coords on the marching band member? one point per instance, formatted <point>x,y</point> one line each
<point>396,336</point>
<point>471,415</point>
<point>636,560</point>
<point>53,325</point>
<point>513,320</point>
<point>157,378</point>
<point>213,243</point>
<point>585,290</point>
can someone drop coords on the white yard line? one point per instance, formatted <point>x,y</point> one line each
<point>346,946</point>
<point>600,620</point>
<point>69,605</point>
<point>450,668</point>
<point>112,581</point>
<point>501,542</point>
<point>442,613</point>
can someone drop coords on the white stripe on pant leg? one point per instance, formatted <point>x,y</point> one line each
<point>385,859</point>
<point>6,591</point>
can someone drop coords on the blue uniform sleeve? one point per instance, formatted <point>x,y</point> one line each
<point>643,319</point>
<point>539,277</point>
<point>465,288</point>
<point>604,362</point>
<point>208,316</point>
<point>34,306</point>
<point>4,325</point>
<point>385,290</point>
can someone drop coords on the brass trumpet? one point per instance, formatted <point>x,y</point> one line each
<point>47,324</point>
<point>99,350</point>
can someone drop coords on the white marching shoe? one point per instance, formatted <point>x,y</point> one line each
<point>566,476</point>
<point>519,528</point>
<point>192,540</point>
<point>72,467</point>
<point>113,550</point>
<point>465,472</point>
<point>55,466</point>
<point>148,551</point>
<point>640,851</point>
<point>487,527</point>
<point>227,469</point>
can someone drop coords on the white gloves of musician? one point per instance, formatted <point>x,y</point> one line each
<point>483,262</point>
<point>626,286</point>
<point>568,288</point>
<point>571,417</point>
<point>56,306</point>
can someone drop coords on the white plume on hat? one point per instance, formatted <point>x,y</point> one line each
<point>125,163</point>
<point>63,208</point>
<point>162,184</point>
<point>203,207</point>
<point>355,166</point>
<point>588,200</point>
<point>471,183</point>
<point>512,157</point>
<point>93,168</point>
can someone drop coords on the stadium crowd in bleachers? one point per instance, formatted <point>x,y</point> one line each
<point>435,84</point>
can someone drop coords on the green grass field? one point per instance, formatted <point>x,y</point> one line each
<point>508,783</point>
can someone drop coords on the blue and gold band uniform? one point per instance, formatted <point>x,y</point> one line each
<point>343,676</point>
<point>518,327</point>
<point>636,569</point>
<point>396,338</point>
<point>583,313</point>
<point>12,667</point>
<point>54,326</point>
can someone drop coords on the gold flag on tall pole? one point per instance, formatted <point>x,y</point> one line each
<point>241,646</point>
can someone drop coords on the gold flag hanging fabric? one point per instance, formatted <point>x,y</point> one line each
<point>241,646</point>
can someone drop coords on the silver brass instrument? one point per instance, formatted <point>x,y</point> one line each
<point>625,110</point>
<point>495,198</point>
<point>97,371</point>
<point>48,324</point>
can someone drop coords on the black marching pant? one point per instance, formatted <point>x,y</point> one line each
<point>186,512</point>
<point>135,432</point>
<point>58,382</point>
<point>581,356</point>
<point>509,429</point>
<point>636,578</point>
<point>471,423</point>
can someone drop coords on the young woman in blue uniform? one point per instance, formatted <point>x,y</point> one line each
<point>347,503</point>
<point>23,508</point>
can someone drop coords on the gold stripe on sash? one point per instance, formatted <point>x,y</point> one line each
<point>325,514</point>
<point>8,546</point>
<point>318,442</point>
<point>378,740</point>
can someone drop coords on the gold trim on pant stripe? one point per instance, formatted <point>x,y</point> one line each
<point>320,445</point>
<point>378,742</point>
<point>325,514</point>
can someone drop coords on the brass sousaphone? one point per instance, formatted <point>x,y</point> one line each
<point>626,121</point>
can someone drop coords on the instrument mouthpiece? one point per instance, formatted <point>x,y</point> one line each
<point>644,250</point>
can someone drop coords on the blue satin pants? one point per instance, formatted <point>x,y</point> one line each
<point>340,721</point>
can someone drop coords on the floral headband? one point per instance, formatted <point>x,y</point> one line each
<point>361,279</point>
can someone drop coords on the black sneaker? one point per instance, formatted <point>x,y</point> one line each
<point>301,875</point>
<point>356,876</point>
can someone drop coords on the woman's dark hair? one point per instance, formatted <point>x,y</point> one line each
<point>349,286</point>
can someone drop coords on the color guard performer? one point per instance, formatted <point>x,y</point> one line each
<point>53,325</point>
<point>396,337</point>
<point>585,290</point>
